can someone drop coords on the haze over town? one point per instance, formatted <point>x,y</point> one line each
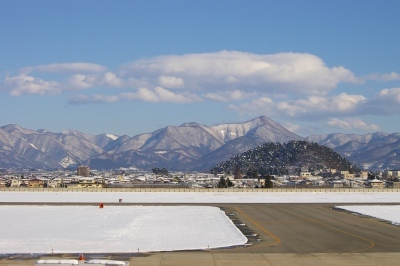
<point>133,67</point>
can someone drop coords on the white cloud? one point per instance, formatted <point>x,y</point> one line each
<point>291,127</point>
<point>288,85</point>
<point>381,77</point>
<point>159,94</point>
<point>336,123</point>
<point>390,76</point>
<point>80,81</point>
<point>110,79</point>
<point>231,70</point>
<point>390,94</point>
<point>228,96</point>
<point>170,82</point>
<point>342,103</point>
<point>312,106</point>
<point>386,102</point>
<point>80,76</point>
<point>23,84</point>
<point>351,123</point>
<point>221,76</point>
<point>263,105</point>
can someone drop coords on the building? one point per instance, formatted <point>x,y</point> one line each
<point>364,174</point>
<point>35,182</point>
<point>305,174</point>
<point>346,175</point>
<point>376,183</point>
<point>396,184</point>
<point>83,171</point>
<point>336,184</point>
<point>86,182</point>
<point>392,173</point>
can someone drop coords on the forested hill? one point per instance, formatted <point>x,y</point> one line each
<point>283,159</point>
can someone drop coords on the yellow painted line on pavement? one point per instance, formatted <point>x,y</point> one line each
<point>375,220</point>
<point>277,240</point>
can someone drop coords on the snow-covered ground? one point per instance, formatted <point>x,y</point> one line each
<point>90,229</point>
<point>389,213</point>
<point>203,197</point>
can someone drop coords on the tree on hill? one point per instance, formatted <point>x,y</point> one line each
<point>221,182</point>
<point>228,182</point>
<point>284,159</point>
<point>237,174</point>
<point>268,182</point>
<point>224,182</point>
<point>163,171</point>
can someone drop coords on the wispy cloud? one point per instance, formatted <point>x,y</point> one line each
<point>311,107</point>
<point>351,123</point>
<point>159,94</point>
<point>85,81</point>
<point>84,99</point>
<point>23,84</point>
<point>385,102</point>
<point>381,77</point>
<point>65,68</point>
<point>229,96</point>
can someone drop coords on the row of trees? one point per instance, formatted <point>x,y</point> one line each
<point>225,182</point>
<point>160,171</point>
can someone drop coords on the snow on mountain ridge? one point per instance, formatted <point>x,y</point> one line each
<point>190,146</point>
<point>111,136</point>
<point>67,161</point>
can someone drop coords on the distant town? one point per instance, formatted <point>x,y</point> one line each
<point>84,178</point>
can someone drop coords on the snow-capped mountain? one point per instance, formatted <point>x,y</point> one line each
<point>176,147</point>
<point>26,148</point>
<point>371,151</point>
<point>190,146</point>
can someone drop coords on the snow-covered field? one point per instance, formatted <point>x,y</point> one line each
<point>90,229</point>
<point>203,197</point>
<point>389,213</point>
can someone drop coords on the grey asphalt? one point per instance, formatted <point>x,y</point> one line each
<point>315,228</point>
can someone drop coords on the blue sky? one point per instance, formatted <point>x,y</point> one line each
<point>131,67</point>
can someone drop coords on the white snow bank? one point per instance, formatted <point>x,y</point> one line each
<point>385,212</point>
<point>118,229</point>
<point>203,197</point>
<point>106,262</point>
<point>70,262</point>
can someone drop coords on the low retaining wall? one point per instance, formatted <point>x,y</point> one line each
<point>227,190</point>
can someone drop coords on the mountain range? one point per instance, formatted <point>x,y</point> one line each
<point>189,147</point>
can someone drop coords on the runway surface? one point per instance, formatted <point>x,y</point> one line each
<point>315,228</point>
<point>291,234</point>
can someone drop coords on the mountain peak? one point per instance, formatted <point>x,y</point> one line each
<point>190,124</point>
<point>69,131</point>
<point>191,146</point>
<point>16,129</point>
